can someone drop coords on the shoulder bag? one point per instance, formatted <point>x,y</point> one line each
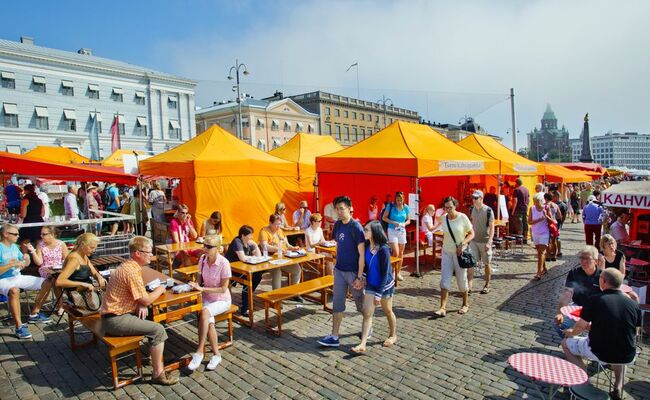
<point>465,259</point>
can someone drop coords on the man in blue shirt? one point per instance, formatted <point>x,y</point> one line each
<point>114,205</point>
<point>593,223</point>
<point>12,260</point>
<point>348,271</point>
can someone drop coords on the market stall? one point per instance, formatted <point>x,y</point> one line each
<point>57,154</point>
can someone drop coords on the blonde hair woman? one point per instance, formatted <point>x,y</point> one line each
<point>77,268</point>
<point>49,255</point>
<point>610,257</point>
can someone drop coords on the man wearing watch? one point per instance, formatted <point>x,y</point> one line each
<point>482,219</point>
<point>348,270</point>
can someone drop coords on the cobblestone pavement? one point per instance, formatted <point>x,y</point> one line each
<point>456,357</point>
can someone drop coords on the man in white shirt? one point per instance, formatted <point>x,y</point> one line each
<point>70,203</point>
<point>46,202</point>
<point>329,212</point>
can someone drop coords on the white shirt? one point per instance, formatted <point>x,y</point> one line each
<point>330,212</point>
<point>619,232</point>
<point>314,236</point>
<point>426,220</point>
<point>70,205</point>
<point>46,204</point>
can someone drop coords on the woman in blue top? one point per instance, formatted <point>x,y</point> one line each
<point>380,284</point>
<point>397,217</point>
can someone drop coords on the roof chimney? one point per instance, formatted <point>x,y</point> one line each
<point>85,51</point>
<point>26,40</point>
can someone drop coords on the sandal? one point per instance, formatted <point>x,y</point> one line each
<point>485,290</point>
<point>357,350</point>
<point>463,310</point>
<point>537,277</point>
<point>440,313</point>
<point>389,342</point>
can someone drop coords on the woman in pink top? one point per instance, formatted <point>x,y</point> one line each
<point>49,255</point>
<point>182,231</point>
<point>212,281</point>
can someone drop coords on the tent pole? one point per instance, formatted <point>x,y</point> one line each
<point>498,196</point>
<point>417,273</point>
<point>317,194</point>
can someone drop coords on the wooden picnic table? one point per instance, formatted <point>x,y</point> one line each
<point>243,274</point>
<point>189,301</point>
<point>394,260</point>
<point>292,232</point>
<point>170,250</point>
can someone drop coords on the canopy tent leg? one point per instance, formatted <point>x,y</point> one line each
<point>499,183</point>
<point>417,273</point>
<point>316,191</point>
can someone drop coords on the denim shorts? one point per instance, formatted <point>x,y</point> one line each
<point>387,293</point>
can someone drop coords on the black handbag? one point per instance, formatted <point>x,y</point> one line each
<point>465,259</point>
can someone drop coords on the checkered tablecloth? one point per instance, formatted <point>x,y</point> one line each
<point>567,310</point>
<point>548,369</point>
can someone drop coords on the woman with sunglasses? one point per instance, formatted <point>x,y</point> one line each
<point>77,268</point>
<point>241,247</point>
<point>460,225</point>
<point>538,220</point>
<point>49,255</point>
<point>31,210</point>
<point>182,231</point>
<point>212,281</point>
<point>379,284</point>
<point>398,219</point>
<point>314,236</point>
<point>280,209</point>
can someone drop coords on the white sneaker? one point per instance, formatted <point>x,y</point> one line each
<point>214,361</point>
<point>197,359</point>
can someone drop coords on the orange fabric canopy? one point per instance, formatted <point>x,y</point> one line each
<point>222,173</point>
<point>25,165</point>
<point>511,162</point>
<point>57,154</point>
<point>557,173</point>
<point>407,149</point>
<point>592,169</point>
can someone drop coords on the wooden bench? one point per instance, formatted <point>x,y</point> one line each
<point>117,345</point>
<point>188,274</point>
<point>275,297</point>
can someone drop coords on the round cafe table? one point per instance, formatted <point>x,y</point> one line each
<point>548,369</point>
<point>567,310</point>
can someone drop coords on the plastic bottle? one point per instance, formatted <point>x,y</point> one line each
<point>265,251</point>
<point>279,251</point>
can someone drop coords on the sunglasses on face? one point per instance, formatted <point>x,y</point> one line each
<point>586,258</point>
<point>146,252</point>
<point>45,234</point>
<point>208,246</point>
<point>12,233</point>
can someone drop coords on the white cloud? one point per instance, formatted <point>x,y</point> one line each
<point>445,59</point>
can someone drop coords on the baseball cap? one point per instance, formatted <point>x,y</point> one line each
<point>591,198</point>
<point>477,194</point>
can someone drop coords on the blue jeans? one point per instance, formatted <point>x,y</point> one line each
<point>567,323</point>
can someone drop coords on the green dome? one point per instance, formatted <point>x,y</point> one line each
<point>548,114</point>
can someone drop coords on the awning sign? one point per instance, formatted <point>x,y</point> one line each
<point>460,165</point>
<point>525,168</point>
<point>626,200</point>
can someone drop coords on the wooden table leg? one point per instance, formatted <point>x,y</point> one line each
<point>170,259</point>
<point>251,307</point>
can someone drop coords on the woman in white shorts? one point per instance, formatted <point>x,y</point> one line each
<point>464,233</point>
<point>538,220</point>
<point>212,281</point>
<point>397,217</point>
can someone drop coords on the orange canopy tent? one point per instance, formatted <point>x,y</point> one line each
<point>220,172</point>
<point>592,169</point>
<point>116,159</point>
<point>559,174</point>
<point>29,166</point>
<point>57,154</point>
<point>302,150</point>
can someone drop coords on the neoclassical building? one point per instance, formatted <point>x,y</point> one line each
<point>50,97</point>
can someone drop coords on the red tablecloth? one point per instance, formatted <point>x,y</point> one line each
<point>548,369</point>
<point>569,312</point>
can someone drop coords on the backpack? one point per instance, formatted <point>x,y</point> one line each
<point>489,215</point>
<point>106,197</point>
<point>384,224</point>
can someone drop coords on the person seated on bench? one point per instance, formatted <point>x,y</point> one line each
<point>49,255</point>
<point>241,247</point>
<point>273,238</point>
<point>77,268</point>
<point>182,231</point>
<point>212,281</point>
<point>124,309</point>
<point>315,237</point>
<point>12,261</point>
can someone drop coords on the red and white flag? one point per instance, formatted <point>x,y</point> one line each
<point>115,135</point>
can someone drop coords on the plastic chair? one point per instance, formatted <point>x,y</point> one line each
<point>587,391</point>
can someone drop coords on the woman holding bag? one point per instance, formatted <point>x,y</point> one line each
<point>458,232</point>
<point>538,220</point>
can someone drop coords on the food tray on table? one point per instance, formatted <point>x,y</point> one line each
<point>281,261</point>
<point>256,260</point>
<point>296,254</point>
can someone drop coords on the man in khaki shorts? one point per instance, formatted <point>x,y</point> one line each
<point>126,303</point>
<point>482,219</point>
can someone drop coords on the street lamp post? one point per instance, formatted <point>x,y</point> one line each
<point>236,68</point>
<point>384,100</point>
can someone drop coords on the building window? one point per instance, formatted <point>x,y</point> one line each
<point>355,134</point>
<point>139,97</point>
<point>300,127</point>
<point>42,118</point>
<point>93,91</point>
<point>337,112</point>
<point>121,125</point>
<point>11,115</point>
<point>99,121</point>
<point>174,130</point>
<point>376,118</point>
<point>328,129</point>
<point>310,128</point>
<point>369,117</point>
<point>261,144</point>
<point>67,88</point>
<point>70,121</point>
<point>338,132</point>
<point>362,116</point>
<point>118,95</point>
<point>141,126</point>
<point>354,115</point>
<point>287,126</point>
<point>275,125</point>
<point>328,111</point>
<point>260,124</point>
<point>347,133</point>
<point>8,80</point>
<point>346,114</point>
<point>363,133</point>
<point>172,102</point>
<point>38,84</point>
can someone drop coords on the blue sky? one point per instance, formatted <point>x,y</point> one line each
<point>444,59</point>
